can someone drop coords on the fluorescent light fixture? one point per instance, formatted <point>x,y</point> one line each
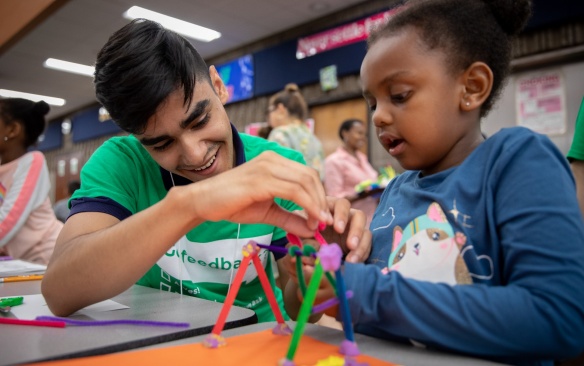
<point>53,63</point>
<point>180,26</point>
<point>34,97</point>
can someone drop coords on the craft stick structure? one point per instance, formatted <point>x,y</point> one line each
<point>328,263</point>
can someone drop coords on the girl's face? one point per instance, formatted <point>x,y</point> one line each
<point>277,115</point>
<point>414,100</point>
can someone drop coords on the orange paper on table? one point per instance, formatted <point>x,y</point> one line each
<point>260,348</point>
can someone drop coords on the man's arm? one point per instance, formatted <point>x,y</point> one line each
<point>97,256</point>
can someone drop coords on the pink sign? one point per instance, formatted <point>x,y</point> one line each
<point>340,36</point>
<point>540,102</point>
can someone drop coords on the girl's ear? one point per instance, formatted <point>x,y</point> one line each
<point>218,85</point>
<point>281,108</point>
<point>478,83</point>
<point>14,130</point>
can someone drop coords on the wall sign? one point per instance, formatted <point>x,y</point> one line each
<point>540,102</point>
<point>340,36</point>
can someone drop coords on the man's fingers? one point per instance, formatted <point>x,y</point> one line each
<point>304,177</point>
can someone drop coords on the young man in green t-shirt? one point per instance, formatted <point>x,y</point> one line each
<point>171,205</point>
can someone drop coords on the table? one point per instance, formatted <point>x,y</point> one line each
<point>394,352</point>
<point>23,344</point>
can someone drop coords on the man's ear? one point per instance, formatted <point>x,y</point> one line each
<point>477,85</point>
<point>218,85</point>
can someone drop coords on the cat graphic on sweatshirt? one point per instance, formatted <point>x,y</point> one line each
<point>428,249</point>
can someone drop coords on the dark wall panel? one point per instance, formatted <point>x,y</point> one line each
<point>277,66</point>
<point>86,126</point>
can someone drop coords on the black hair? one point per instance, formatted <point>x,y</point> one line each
<point>467,31</point>
<point>347,125</point>
<point>31,115</point>
<point>139,67</point>
<point>292,99</point>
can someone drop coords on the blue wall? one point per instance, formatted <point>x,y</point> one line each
<point>277,66</point>
<point>86,126</point>
<point>53,138</point>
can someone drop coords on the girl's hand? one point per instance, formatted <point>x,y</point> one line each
<point>348,230</point>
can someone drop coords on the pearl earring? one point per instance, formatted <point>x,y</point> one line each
<point>5,138</point>
<point>467,104</point>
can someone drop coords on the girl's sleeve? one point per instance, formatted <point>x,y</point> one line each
<point>29,189</point>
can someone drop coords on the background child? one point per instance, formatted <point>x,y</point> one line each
<point>479,247</point>
<point>28,226</point>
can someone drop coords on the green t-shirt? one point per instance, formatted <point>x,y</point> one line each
<point>577,149</point>
<point>207,258</point>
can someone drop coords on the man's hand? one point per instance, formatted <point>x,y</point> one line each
<point>245,194</point>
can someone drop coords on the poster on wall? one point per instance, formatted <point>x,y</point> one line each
<point>540,102</point>
<point>237,76</point>
<point>328,78</point>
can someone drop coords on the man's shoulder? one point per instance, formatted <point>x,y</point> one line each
<point>116,148</point>
<point>254,146</point>
<point>129,141</point>
<point>120,158</point>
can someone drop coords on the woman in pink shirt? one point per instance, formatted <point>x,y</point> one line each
<point>347,167</point>
<point>28,225</point>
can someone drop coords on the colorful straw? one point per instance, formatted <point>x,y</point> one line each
<point>268,289</point>
<point>230,299</point>
<point>37,323</point>
<point>305,310</point>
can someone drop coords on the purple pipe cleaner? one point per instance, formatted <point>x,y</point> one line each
<point>274,248</point>
<point>330,302</point>
<point>91,323</point>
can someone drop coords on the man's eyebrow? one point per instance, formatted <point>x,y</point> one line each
<point>154,140</point>
<point>199,110</point>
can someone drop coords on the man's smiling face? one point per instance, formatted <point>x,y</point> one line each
<point>194,141</point>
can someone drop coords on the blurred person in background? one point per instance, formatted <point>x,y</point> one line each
<point>61,207</point>
<point>287,113</point>
<point>28,225</point>
<point>348,166</point>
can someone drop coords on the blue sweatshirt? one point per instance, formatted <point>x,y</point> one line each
<point>484,259</point>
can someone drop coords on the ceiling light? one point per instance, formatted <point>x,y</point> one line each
<point>53,63</point>
<point>34,97</point>
<point>180,26</point>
